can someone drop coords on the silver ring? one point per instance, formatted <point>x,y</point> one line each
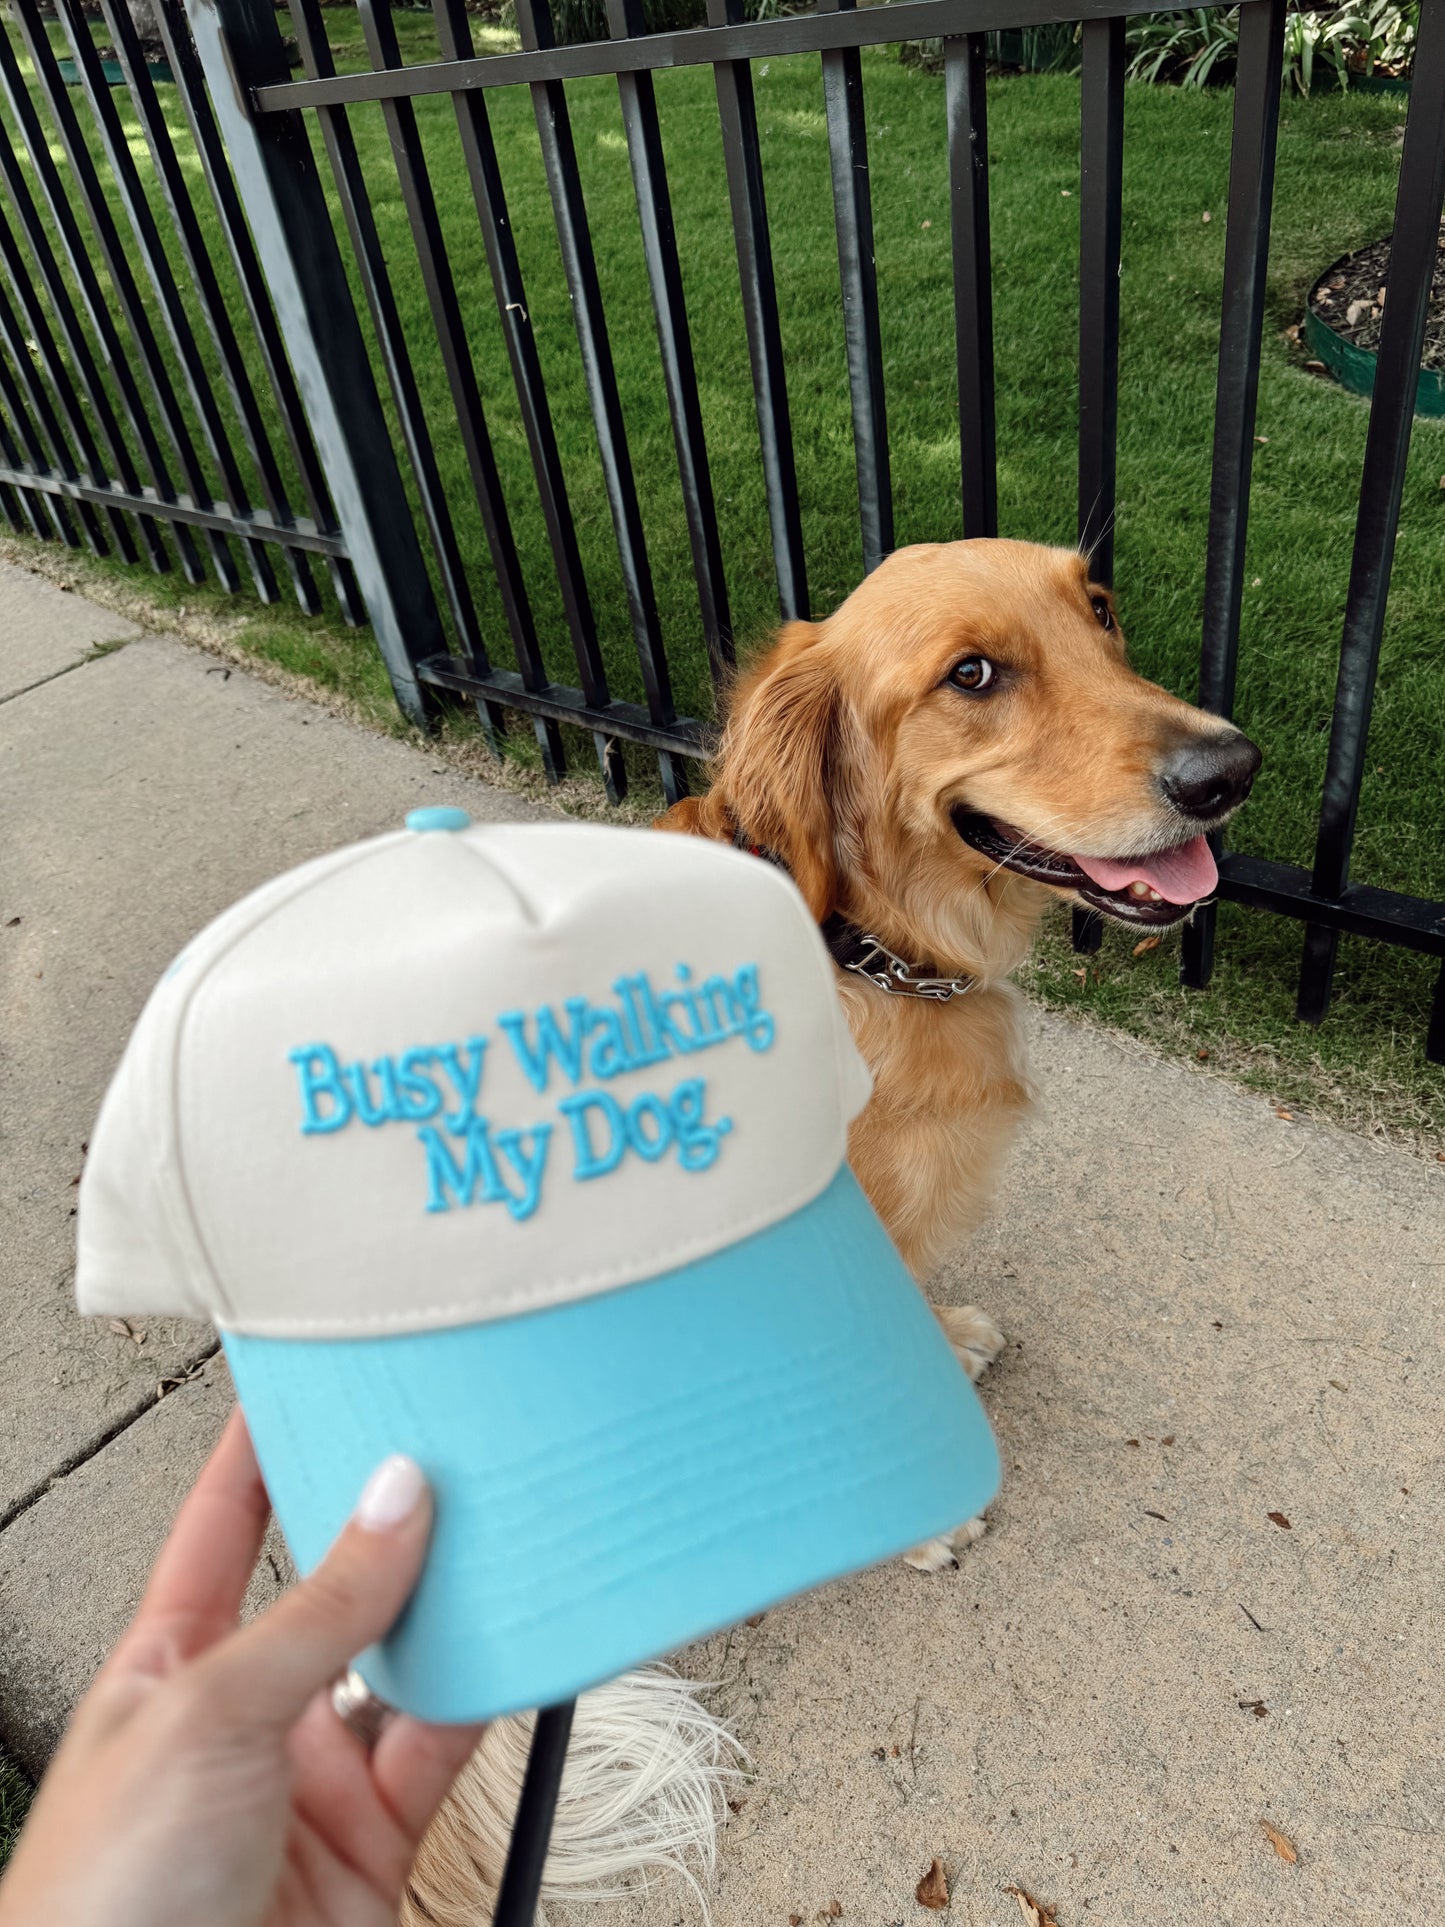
<point>358,1708</point>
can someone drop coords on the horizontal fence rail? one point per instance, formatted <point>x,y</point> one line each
<point>111,436</point>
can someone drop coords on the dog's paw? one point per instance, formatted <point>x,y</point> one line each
<point>975,1338</point>
<point>936,1555</point>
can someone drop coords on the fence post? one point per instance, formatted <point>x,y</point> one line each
<point>240,48</point>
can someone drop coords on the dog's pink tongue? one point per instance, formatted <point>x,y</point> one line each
<point>1180,875</point>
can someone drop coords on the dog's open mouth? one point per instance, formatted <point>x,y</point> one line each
<point>1157,889</point>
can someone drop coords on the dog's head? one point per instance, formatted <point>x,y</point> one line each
<point>969,716</point>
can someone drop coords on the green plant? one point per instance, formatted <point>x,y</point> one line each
<point>574,20</point>
<point>1200,46</point>
<point>1380,36</point>
<point>1190,49</point>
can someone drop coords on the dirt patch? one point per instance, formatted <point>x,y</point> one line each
<point>1350,299</point>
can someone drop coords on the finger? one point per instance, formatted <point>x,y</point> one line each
<point>414,1765</point>
<point>267,1672</point>
<point>201,1575</point>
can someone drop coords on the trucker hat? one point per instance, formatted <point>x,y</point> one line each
<point>521,1149</point>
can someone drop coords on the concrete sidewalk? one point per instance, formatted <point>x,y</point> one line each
<point>1221,1321</point>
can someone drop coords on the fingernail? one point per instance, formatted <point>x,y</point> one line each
<point>390,1495</point>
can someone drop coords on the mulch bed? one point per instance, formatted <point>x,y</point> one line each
<point>1350,298</point>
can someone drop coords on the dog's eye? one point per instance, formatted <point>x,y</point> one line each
<point>973,674</point>
<point>1102,611</point>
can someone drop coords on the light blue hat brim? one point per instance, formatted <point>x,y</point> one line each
<point>618,1476</point>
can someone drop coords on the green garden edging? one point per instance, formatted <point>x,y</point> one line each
<point>1381,83</point>
<point>1354,368</point>
<point>114,72</point>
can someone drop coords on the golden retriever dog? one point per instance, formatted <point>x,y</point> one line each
<point>960,742</point>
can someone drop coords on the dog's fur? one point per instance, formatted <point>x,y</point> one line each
<point>845,752</point>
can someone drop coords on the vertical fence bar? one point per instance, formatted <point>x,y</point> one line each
<point>1246,257</point>
<point>42,260</point>
<point>190,84</point>
<point>858,278</point>
<point>1414,251</point>
<point>125,178</point>
<point>474,129</point>
<point>674,340</point>
<point>240,48</point>
<point>346,172</point>
<point>742,156</point>
<point>197,252</point>
<point>87,181</point>
<point>1101,185</point>
<point>966,106</point>
<point>564,183</point>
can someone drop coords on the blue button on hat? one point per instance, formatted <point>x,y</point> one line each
<point>522,1150</point>
<point>438,816</point>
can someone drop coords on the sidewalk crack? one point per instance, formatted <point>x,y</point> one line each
<point>97,1445</point>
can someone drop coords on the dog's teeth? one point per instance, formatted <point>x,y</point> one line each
<point>1154,896</point>
<point>1140,889</point>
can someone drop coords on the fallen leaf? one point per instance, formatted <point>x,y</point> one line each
<point>1131,1441</point>
<point>121,1328</point>
<point>880,1752</point>
<point>1145,943</point>
<point>1278,1519</point>
<point>1202,1055</point>
<point>1286,1849</point>
<point>737,1803</point>
<point>928,224</point>
<point>795,1920</point>
<point>1338,1386</point>
<point>1168,1439</point>
<point>756,1620</point>
<point>1082,975</point>
<point>1219,1324</point>
<point>1257,1707</point>
<point>10,922</point>
<point>894,1751</point>
<point>1356,312</point>
<point>1155,1515</point>
<point>932,1890</point>
<point>1263,440</point>
<point>1067,193</point>
<point>1314,367</point>
<point>835,1910</point>
<point>1206,216</point>
<point>1035,1912</point>
<point>1286,1117</point>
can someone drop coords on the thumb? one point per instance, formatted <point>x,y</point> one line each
<point>267,1673</point>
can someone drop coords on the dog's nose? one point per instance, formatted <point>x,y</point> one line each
<point>1209,775</point>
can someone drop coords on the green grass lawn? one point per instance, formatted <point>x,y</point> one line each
<point>1338,161</point>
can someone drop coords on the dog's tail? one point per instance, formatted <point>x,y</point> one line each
<point>643,1791</point>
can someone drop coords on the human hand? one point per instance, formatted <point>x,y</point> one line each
<point>205,1780</point>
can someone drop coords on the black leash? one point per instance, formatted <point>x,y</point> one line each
<point>532,1828</point>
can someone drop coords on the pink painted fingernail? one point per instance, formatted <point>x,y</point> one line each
<point>390,1495</point>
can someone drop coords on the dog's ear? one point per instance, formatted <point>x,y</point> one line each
<point>779,764</point>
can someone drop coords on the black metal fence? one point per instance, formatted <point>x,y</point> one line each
<point>113,435</point>
<point>289,142</point>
